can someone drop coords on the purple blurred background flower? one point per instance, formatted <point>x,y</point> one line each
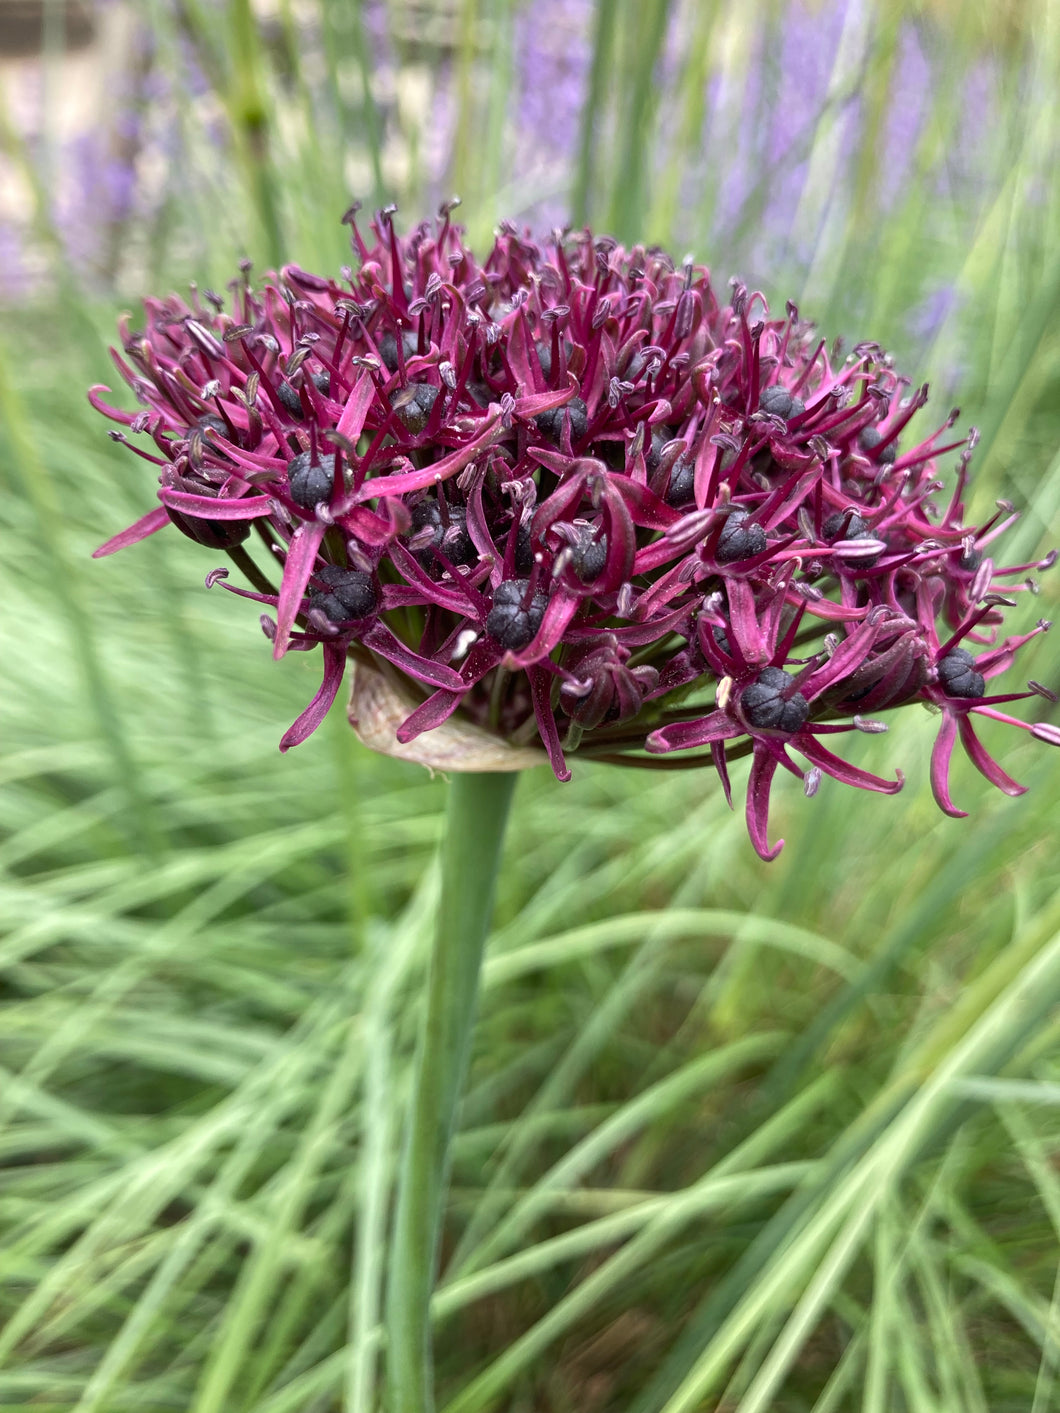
<point>771,92</point>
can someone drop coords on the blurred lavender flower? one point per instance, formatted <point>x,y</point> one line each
<point>772,90</point>
<point>908,106</point>
<point>14,273</point>
<point>927,319</point>
<point>553,45</point>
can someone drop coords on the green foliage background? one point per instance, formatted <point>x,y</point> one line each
<point>738,1136</point>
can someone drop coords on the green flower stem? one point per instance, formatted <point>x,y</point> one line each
<point>478,809</point>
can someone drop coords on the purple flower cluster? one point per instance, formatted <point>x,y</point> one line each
<point>573,496</point>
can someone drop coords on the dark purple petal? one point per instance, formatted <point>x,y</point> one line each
<point>763,768</point>
<point>458,596</point>
<point>621,543</point>
<point>983,761</point>
<point>809,746</point>
<point>848,656</point>
<point>748,634</point>
<point>298,566</point>
<point>721,765</point>
<point>646,508</point>
<point>541,694</point>
<point>562,607</point>
<point>318,708</point>
<point>561,504</point>
<point>405,481</point>
<point>148,524</point>
<point>684,735</point>
<point>370,528</point>
<point>351,424</point>
<point>438,708</point>
<point>219,508</point>
<point>940,765</point>
<point>535,403</point>
<point>114,414</point>
<point>433,674</point>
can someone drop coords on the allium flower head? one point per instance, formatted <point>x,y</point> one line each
<point>571,498</point>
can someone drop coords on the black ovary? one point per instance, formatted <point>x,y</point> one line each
<point>309,482</point>
<point>739,540</point>
<point>209,421</point>
<point>290,400</point>
<point>869,438</point>
<point>970,560</point>
<point>765,706</point>
<point>524,550</point>
<point>847,525</point>
<point>214,534</point>
<point>413,405</point>
<point>353,594</point>
<point>612,454</point>
<point>550,423</point>
<point>658,441</point>
<point>778,402</point>
<point>958,675</point>
<point>508,622</point>
<point>589,555</point>
<point>453,539</point>
<point>682,482</point>
<point>388,349</point>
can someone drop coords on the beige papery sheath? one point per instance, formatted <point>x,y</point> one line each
<point>378,706</point>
